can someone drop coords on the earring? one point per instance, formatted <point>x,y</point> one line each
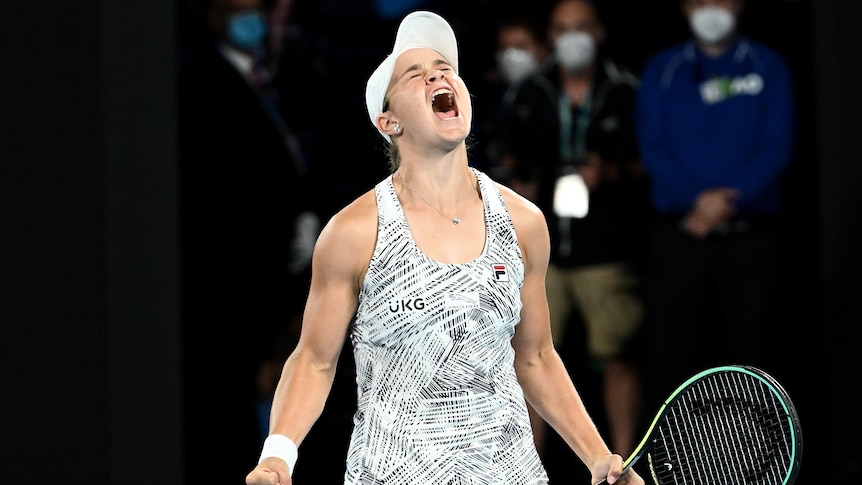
<point>397,128</point>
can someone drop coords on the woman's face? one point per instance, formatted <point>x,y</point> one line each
<point>428,98</point>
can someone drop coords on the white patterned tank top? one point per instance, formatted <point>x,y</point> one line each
<point>438,399</point>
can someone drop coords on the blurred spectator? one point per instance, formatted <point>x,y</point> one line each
<point>520,48</point>
<point>520,55</point>
<point>247,231</point>
<point>716,130</point>
<point>568,143</point>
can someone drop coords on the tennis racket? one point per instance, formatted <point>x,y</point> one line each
<point>730,425</point>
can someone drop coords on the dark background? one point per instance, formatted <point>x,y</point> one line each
<point>90,349</point>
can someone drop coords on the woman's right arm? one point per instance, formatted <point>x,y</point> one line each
<point>341,255</point>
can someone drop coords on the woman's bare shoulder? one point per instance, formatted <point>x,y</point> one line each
<point>530,227</point>
<point>522,210</point>
<point>351,232</point>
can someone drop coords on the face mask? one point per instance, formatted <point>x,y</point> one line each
<point>575,50</point>
<point>712,24</point>
<point>516,64</point>
<point>246,30</point>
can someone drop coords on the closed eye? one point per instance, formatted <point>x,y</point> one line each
<point>416,70</point>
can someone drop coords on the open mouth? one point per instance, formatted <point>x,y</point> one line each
<point>443,104</point>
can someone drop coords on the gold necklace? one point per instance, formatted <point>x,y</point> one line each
<point>455,220</point>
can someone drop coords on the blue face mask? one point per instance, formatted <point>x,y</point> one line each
<point>246,30</point>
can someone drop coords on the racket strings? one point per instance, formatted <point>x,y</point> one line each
<point>727,429</point>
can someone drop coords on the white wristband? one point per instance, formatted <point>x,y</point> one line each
<point>279,446</point>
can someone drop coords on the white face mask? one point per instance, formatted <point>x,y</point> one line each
<point>516,64</point>
<point>575,50</point>
<point>712,24</point>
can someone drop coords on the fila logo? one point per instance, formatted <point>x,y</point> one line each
<point>500,273</point>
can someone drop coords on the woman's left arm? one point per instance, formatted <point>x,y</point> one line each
<point>547,384</point>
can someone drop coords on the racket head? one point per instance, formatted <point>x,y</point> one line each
<point>728,425</point>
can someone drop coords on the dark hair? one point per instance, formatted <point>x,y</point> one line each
<point>394,156</point>
<point>533,23</point>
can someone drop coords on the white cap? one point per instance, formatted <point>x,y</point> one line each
<point>418,29</point>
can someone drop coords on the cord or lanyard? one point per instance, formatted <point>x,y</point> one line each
<point>577,129</point>
<point>570,150</point>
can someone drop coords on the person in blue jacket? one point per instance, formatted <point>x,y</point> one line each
<point>715,126</point>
